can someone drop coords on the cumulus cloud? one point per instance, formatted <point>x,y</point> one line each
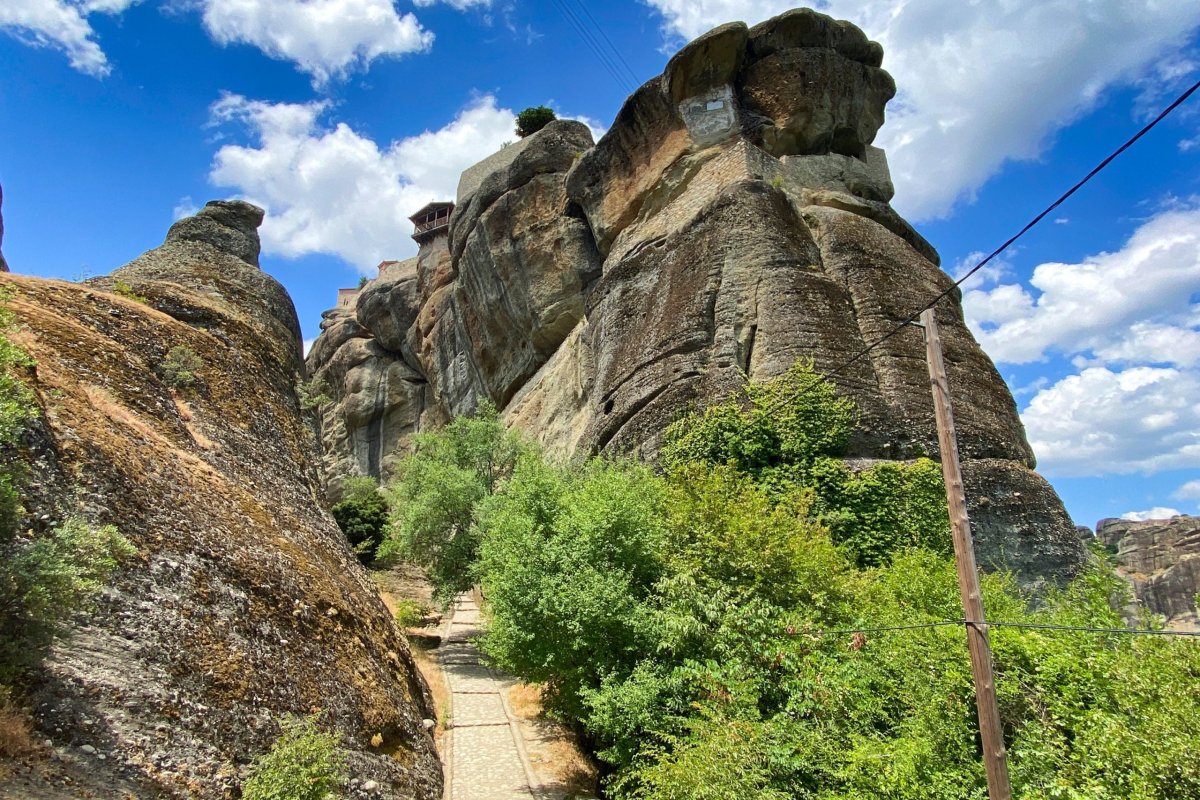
<point>1158,512</point>
<point>63,25</point>
<point>1133,305</point>
<point>980,83</point>
<point>329,189</point>
<point>1102,421</point>
<point>325,38</point>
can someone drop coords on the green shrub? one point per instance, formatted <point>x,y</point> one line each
<point>409,613</point>
<point>568,560</point>
<point>362,514</point>
<point>790,421</point>
<point>180,366</point>
<point>44,579</point>
<point>790,432</point>
<point>434,493</point>
<point>305,763</point>
<point>533,119</point>
<point>312,394</point>
<point>125,290</point>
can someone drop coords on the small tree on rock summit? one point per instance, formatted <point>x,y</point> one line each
<point>533,119</point>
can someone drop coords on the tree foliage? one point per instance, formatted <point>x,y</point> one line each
<point>305,763</point>
<point>533,119</point>
<point>362,514</point>
<point>435,491</point>
<point>725,627</point>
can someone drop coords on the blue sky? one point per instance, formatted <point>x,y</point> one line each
<point>343,116</point>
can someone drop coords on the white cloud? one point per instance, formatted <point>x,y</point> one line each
<point>1142,419</point>
<point>979,83</point>
<point>1158,512</point>
<point>1134,305</point>
<point>186,207</point>
<point>332,190</point>
<point>1189,491</point>
<point>325,38</point>
<point>461,5</point>
<point>62,24</point>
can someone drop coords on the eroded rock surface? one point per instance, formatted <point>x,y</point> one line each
<point>734,219</point>
<point>1161,558</point>
<point>244,602</point>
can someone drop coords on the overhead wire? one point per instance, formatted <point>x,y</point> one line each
<point>993,624</point>
<point>600,29</point>
<point>593,44</point>
<point>910,320</point>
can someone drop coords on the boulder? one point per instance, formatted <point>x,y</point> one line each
<point>244,602</point>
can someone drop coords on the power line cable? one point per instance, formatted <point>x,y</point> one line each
<point>592,43</point>
<point>1028,226</point>
<point>600,29</point>
<point>994,624</point>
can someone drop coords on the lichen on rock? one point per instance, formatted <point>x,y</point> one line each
<point>245,603</point>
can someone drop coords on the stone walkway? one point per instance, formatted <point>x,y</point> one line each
<point>484,749</point>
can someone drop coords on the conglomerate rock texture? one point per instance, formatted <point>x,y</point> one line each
<point>734,219</point>
<point>1161,558</point>
<point>244,602</point>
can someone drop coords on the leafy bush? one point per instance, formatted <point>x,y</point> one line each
<point>312,394</point>
<point>790,432</point>
<point>409,613</point>
<point>125,290</point>
<point>435,491</point>
<point>568,561</point>
<point>362,514</point>
<point>305,763</point>
<point>180,366</point>
<point>44,579</point>
<point>533,119</point>
<point>705,628</point>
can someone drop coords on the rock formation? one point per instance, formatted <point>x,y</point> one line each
<point>1161,559</point>
<point>3,263</point>
<point>244,602</point>
<point>735,218</point>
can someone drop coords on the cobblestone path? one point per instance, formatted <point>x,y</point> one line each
<point>485,751</point>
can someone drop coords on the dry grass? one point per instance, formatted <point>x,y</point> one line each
<point>563,767</point>
<point>16,735</point>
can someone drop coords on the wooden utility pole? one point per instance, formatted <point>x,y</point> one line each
<point>994,757</point>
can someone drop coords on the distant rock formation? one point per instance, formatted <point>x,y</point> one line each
<point>1161,558</point>
<point>734,219</point>
<point>245,602</point>
<point>3,263</point>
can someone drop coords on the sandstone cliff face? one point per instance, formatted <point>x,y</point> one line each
<point>244,602</point>
<point>1161,558</point>
<point>735,218</point>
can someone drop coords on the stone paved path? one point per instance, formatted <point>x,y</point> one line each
<point>485,752</point>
